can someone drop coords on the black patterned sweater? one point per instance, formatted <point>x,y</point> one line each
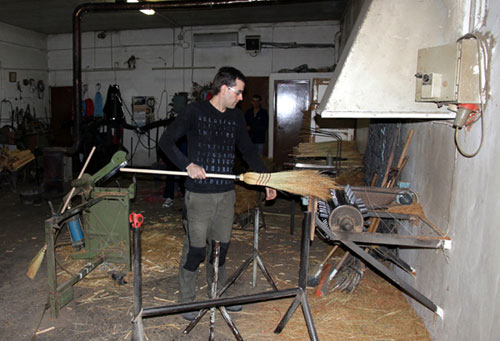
<point>212,137</point>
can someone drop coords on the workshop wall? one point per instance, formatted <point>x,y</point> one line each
<point>458,194</point>
<point>23,64</point>
<point>175,48</point>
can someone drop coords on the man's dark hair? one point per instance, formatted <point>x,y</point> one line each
<point>226,75</point>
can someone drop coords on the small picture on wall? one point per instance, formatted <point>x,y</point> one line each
<point>12,77</point>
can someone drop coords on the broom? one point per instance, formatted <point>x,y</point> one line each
<point>302,182</point>
<point>36,262</point>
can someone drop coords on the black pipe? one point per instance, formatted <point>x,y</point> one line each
<point>137,329</point>
<point>236,275</point>
<point>137,270</point>
<point>259,297</point>
<point>124,6</point>
<point>304,249</point>
<point>308,317</point>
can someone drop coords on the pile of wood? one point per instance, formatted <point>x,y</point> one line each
<point>14,160</point>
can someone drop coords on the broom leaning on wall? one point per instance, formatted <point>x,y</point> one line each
<point>301,182</point>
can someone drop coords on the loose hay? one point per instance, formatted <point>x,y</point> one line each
<point>376,310</point>
<point>415,209</point>
<point>354,177</point>
<point>160,254</point>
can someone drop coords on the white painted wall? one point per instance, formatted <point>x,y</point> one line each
<point>173,48</point>
<point>460,195</point>
<point>380,56</point>
<point>25,53</point>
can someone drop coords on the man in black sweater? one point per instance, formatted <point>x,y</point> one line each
<point>213,129</point>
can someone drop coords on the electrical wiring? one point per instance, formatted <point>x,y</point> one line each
<point>160,102</point>
<point>482,53</point>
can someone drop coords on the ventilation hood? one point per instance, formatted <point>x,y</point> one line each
<point>375,75</point>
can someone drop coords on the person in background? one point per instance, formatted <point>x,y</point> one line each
<point>214,129</point>
<point>257,120</point>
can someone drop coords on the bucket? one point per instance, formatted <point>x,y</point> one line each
<point>30,196</point>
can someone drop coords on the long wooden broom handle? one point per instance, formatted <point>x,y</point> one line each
<point>166,172</point>
<point>68,198</point>
<point>405,149</point>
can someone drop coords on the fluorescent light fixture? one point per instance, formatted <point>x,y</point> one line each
<point>145,11</point>
<point>148,11</point>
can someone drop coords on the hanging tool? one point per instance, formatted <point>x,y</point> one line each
<point>20,90</point>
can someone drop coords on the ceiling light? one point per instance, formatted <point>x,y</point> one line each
<point>148,11</point>
<point>145,11</point>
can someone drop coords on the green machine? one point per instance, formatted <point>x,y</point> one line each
<point>98,226</point>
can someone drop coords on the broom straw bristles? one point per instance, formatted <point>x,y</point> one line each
<point>301,182</point>
<point>36,262</point>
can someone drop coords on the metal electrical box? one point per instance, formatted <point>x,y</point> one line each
<point>448,73</point>
<point>143,108</point>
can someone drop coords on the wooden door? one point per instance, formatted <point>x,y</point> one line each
<point>291,98</point>
<point>61,106</point>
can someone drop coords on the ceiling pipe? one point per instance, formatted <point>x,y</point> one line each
<point>83,9</point>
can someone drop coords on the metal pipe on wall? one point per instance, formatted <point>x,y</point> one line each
<point>106,7</point>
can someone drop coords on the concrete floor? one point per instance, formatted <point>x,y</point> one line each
<point>104,311</point>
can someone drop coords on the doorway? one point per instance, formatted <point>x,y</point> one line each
<point>256,86</point>
<point>61,106</point>
<point>291,100</point>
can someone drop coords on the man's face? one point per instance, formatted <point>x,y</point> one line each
<point>233,94</point>
<point>256,103</point>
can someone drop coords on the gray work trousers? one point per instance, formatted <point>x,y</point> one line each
<point>209,217</point>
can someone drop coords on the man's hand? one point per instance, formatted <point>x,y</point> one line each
<point>195,171</point>
<point>270,193</point>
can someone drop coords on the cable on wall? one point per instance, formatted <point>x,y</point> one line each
<point>483,62</point>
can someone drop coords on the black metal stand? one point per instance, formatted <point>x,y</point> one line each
<point>302,298</point>
<point>255,257</point>
<point>299,293</point>
<point>348,239</point>
<point>137,329</point>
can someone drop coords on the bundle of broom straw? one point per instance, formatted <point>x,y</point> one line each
<point>301,182</point>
